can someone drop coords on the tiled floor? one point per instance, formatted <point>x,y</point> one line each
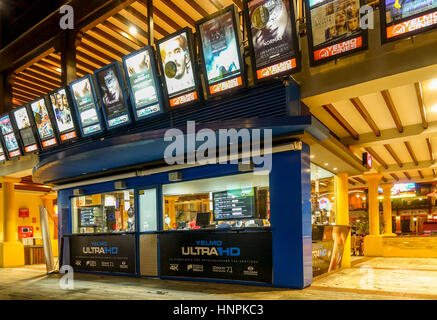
<point>374,278</point>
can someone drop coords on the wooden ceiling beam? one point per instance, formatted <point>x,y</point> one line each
<point>33,86</point>
<point>341,121</point>
<point>376,156</point>
<point>125,34</point>
<point>394,176</point>
<point>28,90</point>
<point>24,94</point>
<point>431,154</point>
<point>54,71</point>
<point>102,45</point>
<point>197,7</point>
<point>105,59</point>
<point>114,41</point>
<point>35,82</point>
<point>141,17</point>
<point>362,181</point>
<point>366,116</point>
<point>407,175</point>
<point>393,155</point>
<point>352,182</point>
<point>23,97</point>
<point>238,3</point>
<point>411,152</point>
<point>422,108</point>
<point>177,10</point>
<point>81,66</point>
<point>46,74</point>
<point>49,81</point>
<point>420,174</point>
<point>81,56</point>
<point>434,173</point>
<point>166,19</point>
<point>384,179</point>
<point>391,107</point>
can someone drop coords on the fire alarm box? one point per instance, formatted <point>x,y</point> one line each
<point>25,232</point>
<point>23,213</point>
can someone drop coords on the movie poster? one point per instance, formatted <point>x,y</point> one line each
<point>11,142</point>
<point>85,103</point>
<point>22,118</point>
<point>272,31</point>
<point>111,92</point>
<point>220,47</point>
<point>62,111</point>
<point>177,65</point>
<point>6,125</point>
<point>400,9</point>
<point>334,21</point>
<point>42,119</point>
<point>142,83</point>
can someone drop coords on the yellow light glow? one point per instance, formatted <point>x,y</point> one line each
<point>414,219</point>
<point>357,195</point>
<point>397,217</point>
<point>434,108</point>
<point>401,196</point>
<point>133,31</point>
<point>433,84</point>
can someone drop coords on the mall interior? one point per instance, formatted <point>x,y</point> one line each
<point>353,157</point>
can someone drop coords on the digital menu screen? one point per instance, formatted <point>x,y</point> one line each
<point>141,73</point>
<point>86,106</point>
<point>22,120</point>
<point>177,59</point>
<point>43,123</point>
<point>111,90</point>
<point>63,115</point>
<point>220,39</point>
<point>334,29</point>
<point>234,204</point>
<point>11,142</point>
<point>401,189</point>
<point>404,18</point>
<point>272,37</point>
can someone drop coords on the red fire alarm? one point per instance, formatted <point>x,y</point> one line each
<point>23,213</point>
<point>25,232</point>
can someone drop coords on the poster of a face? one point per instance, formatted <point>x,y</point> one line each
<point>6,125</point>
<point>177,65</point>
<point>220,48</point>
<point>62,111</point>
<point>85,103</point>
<point>141,79</point>
<point>401,9</point>
<point>111,92</point>
<point>22,119</point>
<point>272,32</point>
<point>334,20</point>
<point>42,119</point>
<point>11,142</point>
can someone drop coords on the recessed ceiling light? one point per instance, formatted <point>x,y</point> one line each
<point>312,156</point>
<point>59,69</point>
<point>433,84</point>
<point>335,169</point>
<point>133,31</point>
<point>326,164</point>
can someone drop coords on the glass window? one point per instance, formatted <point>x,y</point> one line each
<point>148,210</point>
<point>104,213</point>
<point>235,201</point>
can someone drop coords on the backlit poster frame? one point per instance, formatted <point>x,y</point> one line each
<point>3,153</point>
<point>31,147</point>
<point>234,82</point>
<point>328,51</point>
<point>155,79</point>
<point>94,128</point>
<point>125,117</point>
<point>397,30</point>
<point>71,134</point>
<point>52,140</point>
<point>184,97</point>
<point>283,65</point>
<point>15,152</point>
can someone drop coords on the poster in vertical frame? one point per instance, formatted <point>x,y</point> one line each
<point>25,129</point>
<point>44,123</point>
<point>11,142</point>
<point>63,115</point>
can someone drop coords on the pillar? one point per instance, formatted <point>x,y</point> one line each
<point>67,47</point>
<point>11,250</point>
<point>6,81</point>
<point>48,204</point>
<point>341,186</point>
<point>373,242</point>
<point>398,224</point>
<point>387,210</point>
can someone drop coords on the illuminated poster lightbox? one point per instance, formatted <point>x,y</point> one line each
<point>25,129</point>
<point>334,29</point>
<point>86,106</point>
<point>405,18</point>
<point>219,42</point>
<point>111,89</point>
<point>63,114</point>
<point>2,153</point>
<point>9,137</point>
<point>272,37</point>
<point>177,59</point>
<point>44,124</point>
<point>143,82</point>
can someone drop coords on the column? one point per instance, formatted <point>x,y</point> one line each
<point>373,242</point>
<point>341,185</point>
<point>48,204</point>
<point>6,81</point>
<point>388,232</point>
<point>11,250</point>
<point>67,47</point>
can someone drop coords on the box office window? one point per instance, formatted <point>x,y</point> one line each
<point>111,212</point>
<point>236,201</point>
<point>148,210</point>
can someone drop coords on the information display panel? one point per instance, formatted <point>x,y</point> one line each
<point>334,29</point>
<point>177,59</point>
<point>112,94</point>
<point>44,123</point>
<point>11,142</point>
<point>405,18</point>
<point>143,83</point>
<point>272,37</point>
<point>86,106</point>
<point>234,204</point>
<point>26,129</point>
<point>220,42</point>
<point>63,115</point>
